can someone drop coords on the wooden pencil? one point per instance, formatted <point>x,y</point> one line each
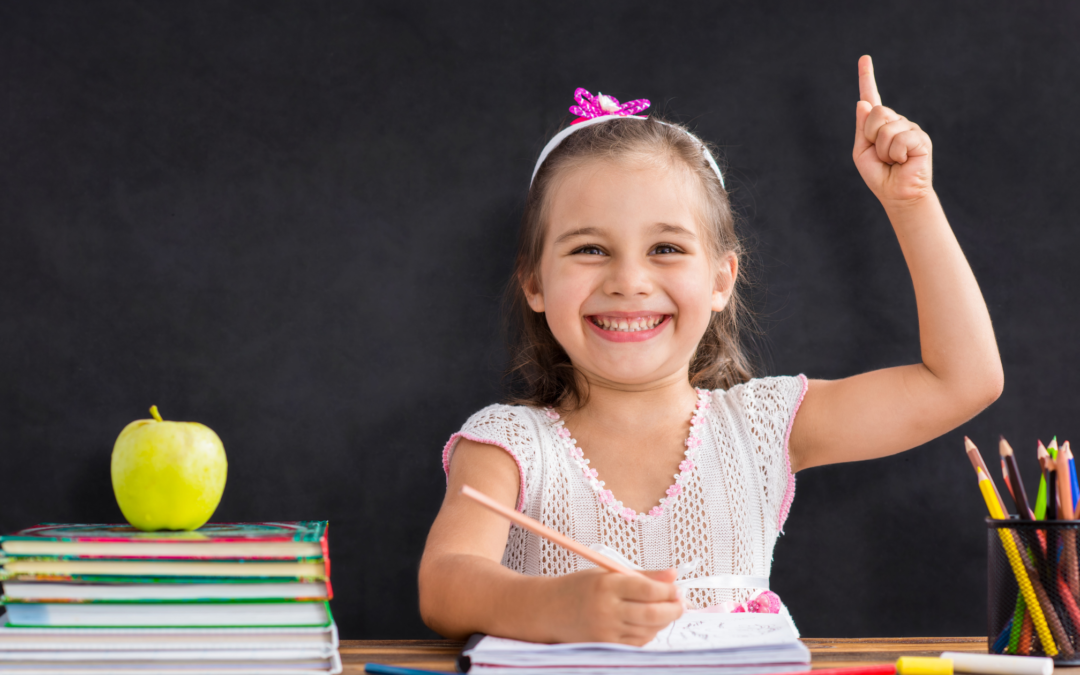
<point>1064,486</point>
<point>1040,498</point>
<point>1070,472</point>
<point>1047,624</point>
<point>1065,493</point>
<point>1011,472</point>
<point>977,462</point>
<point>536,527</point>
<point>1051,490</point>
<point>1023,648</point>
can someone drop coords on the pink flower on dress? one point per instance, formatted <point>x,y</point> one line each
<point>656,511</point>
<point>766,602</point>
<point>577,452</point>
<point>551,414</point>
<point>564,432</point>
<point>589,473</point>
<point>628,514</point>
<point>686,465</point>
<point>590,106</point>
<point>606,497</point>
<point>693,442</point>
<point>703,405</point>
<point>675,490</point>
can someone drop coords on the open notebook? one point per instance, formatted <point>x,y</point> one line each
<point>742,644</point>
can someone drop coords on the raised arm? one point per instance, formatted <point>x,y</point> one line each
<point>890,410</point>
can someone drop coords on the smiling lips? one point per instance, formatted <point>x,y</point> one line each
<point>628,328</point>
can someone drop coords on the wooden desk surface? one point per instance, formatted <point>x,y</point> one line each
<point>827,652</point>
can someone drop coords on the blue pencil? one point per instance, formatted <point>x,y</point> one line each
<point>1072,478</point>
<point>380,669</point>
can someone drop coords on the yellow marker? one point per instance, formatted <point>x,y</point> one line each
<point>1017,565</point>
<point>924,665</point>
<point>986,664</point>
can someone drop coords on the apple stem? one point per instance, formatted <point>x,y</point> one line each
<point>155,413</point>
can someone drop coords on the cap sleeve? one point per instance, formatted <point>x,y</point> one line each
<point>770,405</point>
<point>511,428</point>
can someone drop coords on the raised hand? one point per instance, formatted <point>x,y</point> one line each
<point>892,153</point>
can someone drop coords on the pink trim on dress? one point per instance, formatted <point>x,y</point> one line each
<point>448,449</point>
<point>789,493</point>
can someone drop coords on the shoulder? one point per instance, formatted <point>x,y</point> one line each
<point>774,399</point>
<point>763,410</point>
<point>514,428</point>
<point>503,423</point>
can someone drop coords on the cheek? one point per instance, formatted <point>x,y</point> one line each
<point>564,293</point>
<point>693,294</point>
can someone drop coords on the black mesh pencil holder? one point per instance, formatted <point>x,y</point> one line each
<point>1033,580</point>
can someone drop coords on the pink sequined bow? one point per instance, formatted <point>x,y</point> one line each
<point>590,106</point>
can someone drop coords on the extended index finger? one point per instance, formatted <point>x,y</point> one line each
<point>867,85</point>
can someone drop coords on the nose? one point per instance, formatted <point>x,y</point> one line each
<point>628,277</point>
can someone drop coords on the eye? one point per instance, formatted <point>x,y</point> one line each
<point>588,249</point>
<point>662,249</point>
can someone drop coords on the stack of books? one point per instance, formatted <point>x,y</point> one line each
<point>228,597</point>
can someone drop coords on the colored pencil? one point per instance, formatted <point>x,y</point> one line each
<point>1032,598</point>
<point>1023,648</point>
<point>538,528</point>
<point>1064,485</point>
<point>1066,473</point>
<point>1040,498</point>
<point>1016,624</point>
<point>1051,487</point>
<point>380,669</point>
<point>977,462</point>
<point>886,669</point>
<point>1011,472</point>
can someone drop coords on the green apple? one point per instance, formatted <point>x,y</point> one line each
<point>168,475</point>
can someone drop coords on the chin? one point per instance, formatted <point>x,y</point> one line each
<point>631,374</point>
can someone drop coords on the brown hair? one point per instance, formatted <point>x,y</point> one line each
<point>541,373</point>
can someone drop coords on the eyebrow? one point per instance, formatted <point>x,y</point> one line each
<point>659,228</point>
<point>668,228</point>
<point>580,232</point>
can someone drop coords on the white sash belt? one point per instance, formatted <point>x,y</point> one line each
<point>715,581</point>
<point>725,581</point>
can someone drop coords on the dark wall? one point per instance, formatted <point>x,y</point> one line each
<point>292,221</point>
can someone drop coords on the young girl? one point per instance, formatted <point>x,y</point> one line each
<point>633,374</point>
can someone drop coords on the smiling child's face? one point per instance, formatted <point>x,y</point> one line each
<point>626,279</point>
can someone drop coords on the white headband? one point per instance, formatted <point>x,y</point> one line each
<point>562,135</point>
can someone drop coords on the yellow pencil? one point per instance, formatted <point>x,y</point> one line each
<point>1013,554</point>
<point>977,462</point>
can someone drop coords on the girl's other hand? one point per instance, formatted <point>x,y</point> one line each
<point>599,606</point>
<point>892,153</point>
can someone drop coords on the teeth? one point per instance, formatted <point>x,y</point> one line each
<point>628,325</point>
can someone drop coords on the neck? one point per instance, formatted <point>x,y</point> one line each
<point>626,407</point>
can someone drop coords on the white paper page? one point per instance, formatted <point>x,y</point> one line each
<point>692,631</point>
<point>697,630</point>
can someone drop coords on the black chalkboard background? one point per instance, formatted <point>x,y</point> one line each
<point>292,221</point>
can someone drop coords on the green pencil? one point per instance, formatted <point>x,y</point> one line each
<point>1040,498</point>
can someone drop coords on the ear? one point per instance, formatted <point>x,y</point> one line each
<point>726,273</point>
<point>534,295</point>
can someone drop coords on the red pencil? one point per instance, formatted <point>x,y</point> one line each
<point>888,669</point>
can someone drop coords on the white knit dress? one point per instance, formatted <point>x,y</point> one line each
<point>725,508</point>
